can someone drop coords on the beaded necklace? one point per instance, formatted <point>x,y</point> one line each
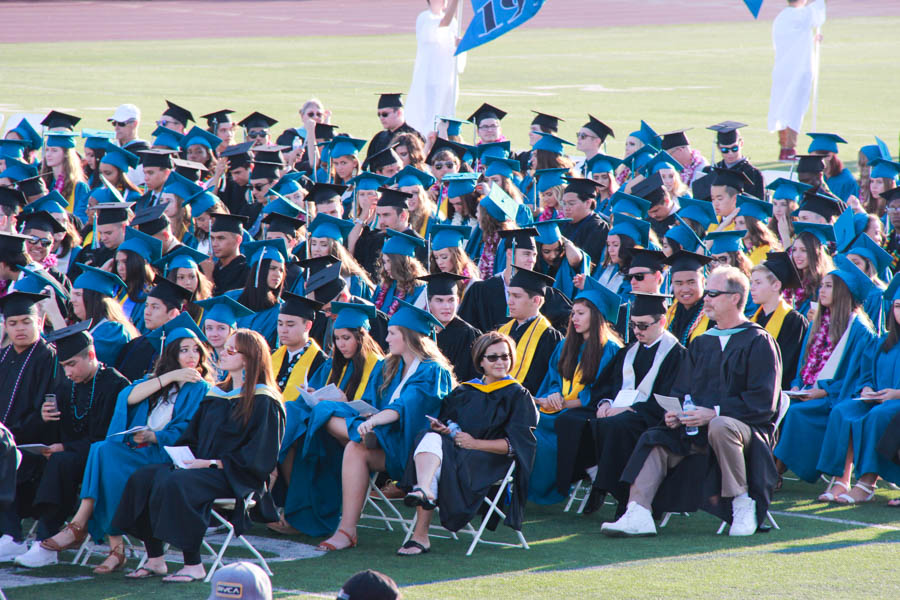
<point>90,404</point>
<point>687,331</point>
<point>12,397</point>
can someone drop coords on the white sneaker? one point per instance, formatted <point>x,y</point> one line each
<point>37,556</point>
<point>743,510</point>
<point>637,521</point>
<point>9,548</point>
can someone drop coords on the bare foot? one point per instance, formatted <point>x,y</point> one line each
<point>414,546</point>
<point>341,540</point>
<point>187,574</point>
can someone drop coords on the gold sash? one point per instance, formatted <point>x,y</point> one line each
<point>300,373</point>
<point>371,362</point>
<point>487,388</point>
<point>777,318</point>
<point>700,326</point>
<point>527,345</point>
<point>759,254</point>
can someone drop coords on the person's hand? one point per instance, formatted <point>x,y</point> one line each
<point>49,412</point>
<point>603,408</point>
<point>221,165</point>
<point>52,449</point>
<point>885,395</point>
<point>464,440</point>
<point>867,392</point>
<point>811,314</point>
<point>327,116</point>
<point>187,375</point>
<point>578,281</point>
<point>365,427</point>
<point>698,417</point>
<point>483,188</point>
<point>815,394</point>
<point>199,463</point>
<point>672,420</point>
<point>619,410</point>
<point>432,137</point>
<point>310,126</point>
<point>854,203</point>
<point>144,437</point>
<point>555,401</point>
<point>438,427</point>
<point>108,265</point>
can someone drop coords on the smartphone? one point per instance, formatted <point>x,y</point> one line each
<point>51,399</point>
<point>434,420</point>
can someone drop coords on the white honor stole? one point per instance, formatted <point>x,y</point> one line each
<point>629,394</point>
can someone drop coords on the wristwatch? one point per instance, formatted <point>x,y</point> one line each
<point>213,465</point>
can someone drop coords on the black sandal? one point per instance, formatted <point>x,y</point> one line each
<point>413,544</point>
<point>413,499</point>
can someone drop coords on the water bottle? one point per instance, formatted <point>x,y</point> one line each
<point>687,405</point>
<point>454,429</point>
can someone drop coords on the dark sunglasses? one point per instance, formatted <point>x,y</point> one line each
<point>42,241</point>
<point>585,136</point>
<point>640,326</point>
<point>716,293</point>
<point>492,358</point>
<point>638,276</point>
<point>257,134</point>
<point>122,123</point>
<point>385,113</point>
<point>259,186</point>
<point>443,165</point>
<point>312,114</point>
<point>727,149</point>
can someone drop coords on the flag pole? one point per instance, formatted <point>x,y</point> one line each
<point>817,56</point>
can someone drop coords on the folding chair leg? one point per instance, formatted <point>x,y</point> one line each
<point>487,516</point>
<point>665,520</point>
<point>722,527</point>
<point>259,557</point>
<point>772,520</point>
<point>572,495</point>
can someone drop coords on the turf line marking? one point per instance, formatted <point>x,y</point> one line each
<point>835,520</point>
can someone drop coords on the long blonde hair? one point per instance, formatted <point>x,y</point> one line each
<point>349,266</point>
<point>423,347</point>
<point>423,211</point>
<point>843,307</point>
<point>72,172</point>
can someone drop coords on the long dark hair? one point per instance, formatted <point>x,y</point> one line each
<point>168,361</point>
<point>98,307</point>
<point>257,370</point>
<point>365,346</point>
<point>893,334</point>
<point>138,274</point>
<point>599,333</point>
<point>203,291</point>
<point>257,294</point>
<point>470,201</point>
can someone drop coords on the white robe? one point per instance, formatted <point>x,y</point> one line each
<point>434,88</point>
<point>792,34</point>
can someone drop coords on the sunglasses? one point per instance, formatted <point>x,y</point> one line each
<point>312,114</point>
<point>727,149</point>
<point>257,134</point>
<point>586,136</point>
<point>640,326</point>
<point>492,358</point>
<point>449,165</point>
<point>259,186</point>
<point>384,113</point>
<point>638,276</point>
<point>164,123</point>
<point>122,123</point>
<point>231,350</point>
<point>42,241</point>
<point>716,293</point>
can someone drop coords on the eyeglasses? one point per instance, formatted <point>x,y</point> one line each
<point>122,123</point>
<point>257,134</point>
<point>893,209</point>
<point>722,260</point>
<point>35,240</point>
<point>640,326</point>
<point>166,123</point>
<point>383,114</point>
<point>450,165</point>
<point>586,136</point>
<point>716,293</point>
<point>231,350</point>
<point>488,127</point>
<point>492,358</point>
<point>727,149</point>
<point>259,186</point>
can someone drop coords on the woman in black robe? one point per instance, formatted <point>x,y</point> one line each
<point>235,436</point>
<point>496,418</point>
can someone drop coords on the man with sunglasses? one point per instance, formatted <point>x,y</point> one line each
<point>731,145</point>
<point>175,118</point>
<point>645,274</point>
<point>256,128</point>
<point>589,140</point>
<point>126,120</point>
<point>685,317</point>
<point>393,121</point>
<point>40,228</point>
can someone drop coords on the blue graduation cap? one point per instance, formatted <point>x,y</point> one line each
<point>602,163</point>
<point>200,137</point>
<point>449,236</point>
<point>104,195</point>
<point>17,170</point>
<point>282,206</point>
<point>824,142</point>
<point>647,135</point>
<point>181,186</point>
<point>548,178</point>
<point>785,189</point>
<point>858,282</point>
<point>638,159</point>
<point>548,231</point>
<point>662,160</point>
<point>751,206</point>
<point>892,293</point>
<point>401,243</point>
<point>12,149</point>
<point>603,299</point>
<point>118,157</point>
<point>867,248</point>
<point>415,319</point>
<point>256,252</point>
<point>53,203</point>
<point>873,152</point>
<point>350,315</point>
<point>632,205</point>
<point>454,126</point>
<point>326,226</point>
<point>96,139</point>
<point>824,233</point>
<point>29,135</point>
<point>701,211</point>
<point>182,327</point>
<point>98,280</point>
<point>201,202</point>
<point>460,184</point>
<point>409,176</point>
<point>551,143</point>
<point>495,149</point>
<point>345,146</point>
<point>145,246</point>
<point>223,309</point>
<point>848,226</point>
<point>637,229</point>
<point>34,280</point>
<point>167,138</point>
<point>499,204</point>
<point>684,237</point>
<point>182,257</point>
<point>291,182</point>
<point>368,181</point>
<point>726,241</point>
<point>505,167</point>
<point>884,168</point>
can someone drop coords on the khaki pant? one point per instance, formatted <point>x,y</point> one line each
<point>787,139</point>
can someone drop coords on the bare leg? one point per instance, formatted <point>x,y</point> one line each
<point>357,464</point>
<point>287,467</point>
<point>84,512</point>
<point>337,427</point>
<point>426,466</point>
<point>840,485</point>
<point>420,533</point>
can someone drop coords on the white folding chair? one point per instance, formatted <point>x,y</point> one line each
<point>580,493</point>
<point>375,497</point>
<point>769,518</point>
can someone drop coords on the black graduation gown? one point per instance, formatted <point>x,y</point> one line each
<point>367,251</point>
<point>468,475</point>
<point>484,305</point>
<point>589,234</point>
<point>541,361</point>
<point>661,227</point>
<point>8,463</point>
<point>790,343</point>
<point>683,319</point>
<point>94,257</point>
<point>173,505</point>
<point>292,274</point>
<point>234,196</point>
<point>231,277</point>
<point>744,380</point>
<point>251,211</point>
<point>138,357</point>
<point>383,138</point>
<point>455,342</point>
<point>758,187</point>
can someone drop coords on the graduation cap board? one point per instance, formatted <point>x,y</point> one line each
<point>223,309</point>
<point>782,267</point>
<point>413,318</point>
<point>604,300</point>
<point>326,283</point>
<point>352,315</point>
<point>521,239</point>
<point>601,129</point>
<point>180,114</point>
<point>71,340</point>
<point>299,306</point>
<point>727,131</point>
<point>182,327</point>
<point>60,120</point>
<point>687,261</point>
<point>530,281</point>
<point>441,284</point>
<point>644,305</point>
<point>486,111</point>
<point>170,293</point>
<point>17,304</point>
<point>98,280</point>
<point>857,282</point>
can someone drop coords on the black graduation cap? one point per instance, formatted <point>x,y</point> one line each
<point>238,155</point>
<point>810,163</point>
<point>600,128</point>
<point>71,340</point>
<point>214,119</point>
<point>265,170</point>
<point>257,120</point>
<point>391,100</point>
<point>228,222</point>
<point>32,186</point>
<point>701,188</point>
<point>546,121</point>
<point>687,261</point>
<point>314,265</point>
<point>13,243</point>
<point>783,268</point>
<point>523,238</point>
<point>172,294</point>
<point>287,137</point>
<point>395,198</point>
<point>180,114</point>
<point>382,159</point>
<point>112,212</point>
<point>829,207</point>
<point>531,281</point>
<point>327,283</point>
<point>440,144</point>
<point>299,306</point>
<point>582,187</point>
<point>325,131</point>
<point>56,119</point>
<point>650,259</point>
<point>726,131</point>
<point>730,177</point>
<point>157,157</point>
<point>270,154</point>
<point>188,168</point>
<point>280,223</point>
<point>651,189</point>
<point>40,220</point>
<point>674,139</point>
<point>151,220</point>
<point>16,304</point>
<point>891,194</point>
<point>12,197</point>
<point>326,192</point>
<point>648,304</point>
<point>486,111</point>
<point>441,284</point>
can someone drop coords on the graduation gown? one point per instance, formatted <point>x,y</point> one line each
<point>687,324</point>
<point>109,339</point>
<point>234,196</point>
<point>231,277</point>
<point>589,234</point>
<point>367,250</point>
<point>503,409</point>
<point>788,327</point>
<point>383,138</point>
<point>888,446</point>
<point>455,341</point>
<point>532,374</point>
<point>484,305</point>
<point>9,462</point>
<point>263,321</point>
<point>758,185</point>
<point>138,356</point>
<point>173,505</point>
<point>292,373</point>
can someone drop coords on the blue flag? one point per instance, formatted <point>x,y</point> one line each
<point>754,6</point>
<point>493,18</point>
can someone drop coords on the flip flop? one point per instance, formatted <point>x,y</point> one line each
<point>181,578</point>
<point>145,573</point>
<point>414,499</point>
<point>413,544</point>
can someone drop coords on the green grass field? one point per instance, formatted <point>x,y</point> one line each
<point>673,77</point>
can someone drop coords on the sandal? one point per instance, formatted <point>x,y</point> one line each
<point>415,499</point>
<point>145,573</point>
<point>77,532</point>
<point>848,499</point>
<point>413,544</point>
<point>117,553</point>
<point>329,547</point>
<point>282,527</point>
<point>829,496</point>
<point>182,578</point>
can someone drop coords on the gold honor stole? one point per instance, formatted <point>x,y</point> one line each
<point>759,254</point>
<point>300,373</point>
<point>717,226</point>
<point>699,327</point>
<point>487,388</point>
<point>777,318</point>
<point>570,390</point>
<point>371,361</point>
<point>527,345</point>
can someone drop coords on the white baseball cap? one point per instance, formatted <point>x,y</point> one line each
<point>125,113</point>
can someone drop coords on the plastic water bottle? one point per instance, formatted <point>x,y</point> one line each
<point>454,429</point>
<point>687,405</point>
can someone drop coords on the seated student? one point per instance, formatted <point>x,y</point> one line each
<point>685,317</point>
<point>731,146</point>
<point>454,470</point>
<point>456,336</point>
<point>448,255</point>
<point>409,384</point>
<point>231,269</point>
<point>810,255</point>
<point>838,178</point>
<point>645,276</point>
<point>93,299</point>
<point>422,213</point>
<point>326,239</point>
<point>733,375</point>
<point>182,266</point>
<point>79,417</point>
<point>586,229</point>
<point>627,233</point>
<point>872,260</point>
<point>551,248</point>
<point>661,188</point>
<point>725,186</point>
<point>496,212</point>
<point>833,366</point>
<point>263,288</point>
<point>299,356</point>
<point>601,169</point>
<point>856,426</point>
<point>786,325</point>
<point>819,207</point>
<point>27,372</point>
<point>759,240</point>
<point>356,356</point>
<point>392,212</point>
<point>220,317</point>
<point>400,270</point>
<point>133,261</point>
<point>239,429</point>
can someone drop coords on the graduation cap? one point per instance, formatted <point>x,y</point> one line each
<point>281,223</point>
<point>413,318</point>
<point>53,203</point>
<point>891,194</point>
<point>228,222</point>
<point>60,139</point>
<point>602,163</point>
<point>859,284</point>
<point>551,143</point>
<point>352,315</point>
<point>35,279</point>
<point>223,309</point>
<point>238,155</point>
<point>582,187</point>
<point>647,135</point>
<point>28,134</point>
<point>281,205</point>
<point>151,220</point>
<point>182,327</point>
<point>599,127</point>
<point>730,177</point>
<point>181,186</point>
<point>726,241</point>
<point>460,184</point>
<point>368,181</point>
<point>32,186</point>
<point>118,157</point>
<point>180,114</point>
<point>726,131</point>
<point>395,198</point>
<point>98,280</point>
<point>521,239</point>
<point>201,202</point>
<point>495,149</point>
<point>810,163</point>
<point>546,121</point>
<point>12,149</point>
<point>637,229</point>
<point>157,157</point>
<point>112,212</point>
<point>869,249</point>
<point>645,305</point>
<point>825,142</point>
<point>167,138</point>
<point>71,340</point>
<point>848,227</point>
<point>549,178</point>
<point>287,137</point>
<point>391,100</point>
<point>499,205</point>
<point>40,220</point>
<point>448,236</point>
<point>12,197</point>
<point>530,281</point>
<point>299,306</point>
<point>189,169</point>
<point>440,145</point>
<point>326,226</point>
<point>291,182</point>
<point>505,167</point>
<point>827,206</point>
<point>13,243</point>
<point>683,236</point>
<point>275,250</point>
<point>401,243</point>
<point>785,189</point>
<point>892,293</point>
<point>265,170</point>
<point>269,154</point>
<point>782,266</point>
<point>257,120</point>
<point>887,169</point>
<point>16,304</point>
<point>604,300</point>
<point>96,139</point>
<point>383,159</point>
<point>197,136</point>
<point>661,160</point>
<point>620,202</point>
<point>649,259</point>
<point>410,176</point>
<point>823,233</point>
<point>651,189</point>
<point>146,246</point>
<point>751,206</point>
<point>326,284</point>
<point>56,120</point>
<point>182,257</point>
<point>675,139</point>
<point>548,231</point>
<point>170,293</point>
<point>701,188</point>
<point>486,111</point>
<point>325,131</point>
<point>214,119</point>
<point>687,261</point>
<point>638,159</point>
<point>345,146</point>
<point>454,126</point>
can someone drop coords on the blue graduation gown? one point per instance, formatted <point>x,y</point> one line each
<point>134,310</point>
<point>389,297</point>
<point>843,185</point>
<point>265,321</point>
<point>111,462</point>
<point>109,339</point>
<point>803,432</point>
<point>79,206</point>
<point>566,273</point>
<point>542,487</point>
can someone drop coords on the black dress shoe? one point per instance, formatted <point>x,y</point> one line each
<point>594,502</point>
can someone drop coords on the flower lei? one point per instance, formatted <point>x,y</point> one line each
<point>382,293</point>
<point>820,348</point>
<point>488,256</point>
<point>49,261</point>
<point>60,183</point>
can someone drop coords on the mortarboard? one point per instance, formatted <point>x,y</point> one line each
<point>214,119</point>
<point>637,229</point>
<point>391,100</point>
<point>638,159</point>
<point>602,163</point>
<point>56,120</point>
<point>383,159</point>
<point>683,236</point>
<point>352,315</point>
<point>486,111</point>
<point>440,144</point>
<point>238,155</point>
<point>368,181</point>
<point>326,283</point>
<point>53,203</point>
<point>499,204</point>
<point>223,309</point>
<point>662,160</point>
<point>146,246</point>
<point>519,239</point>
<point>180,114</point>
<point>891,194</point>
<point>635,206</point>
<point>182,257</point>
<point>582,187</point>
<point>604,300</point>
<point>687,261</point>
<point>201,202</point>
<point>848,227</point>
<point>530,281</point>
<point>701,187</point>
<point>189,169</point>
<point>726,241</point>
<point>551,143</point>
<point>12,149</point>
<point>546,121</point>
<point>726,131</point>
<point>857,282</point>
<point>649,259</point>
<point>401,243</point>
<point>505,167</point>
<point>448,236</point>
<point>782,266</point>
<point>652,189</point>
<point>118,157</point>
<point>867,248</point>
<point>167,138</point>
<point>256,252</point>
<point>823,233</point>
<point>495,149</point>
<point>181,186</point>
<point>157,157</point>
<point>751,206</point>
<point>229,223</point>
<point>71,340</point>
<point>35,279</point>
<point>824,142</point>
<point>599,127</point>
<point>299,306</point>
<point>40,220</point>
<point>13,243</point>
<point>644,305</point>
<point>647,135</point>
<point>810,163</point>
<point>410,176</point>
<point>12,197</point>
<point>281,223</point>
<point>29,135</point>
<point>170,293</point>
<point>413,318</point>
<point>548,231</point>
<point>257,120</point>
<point>729,177</point>
<point>396,198</point>
<point>198,136</point>
<point>98,280</point>
<point>345,146</point>
<point>112,212</point>
<point>280,204</point>
<point>827,206</point>
<point>885,168</point>
<point>460,184</point>
<point>182,327</point>
<point>325,131</point>
<point>326,226</point>
<point>549,178</point>
<point>326,192</point>
<point>60,139</point>
<point>675,139</point>
<point>454,126</point>
<point>785,189</point>
<point>17,303</point>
